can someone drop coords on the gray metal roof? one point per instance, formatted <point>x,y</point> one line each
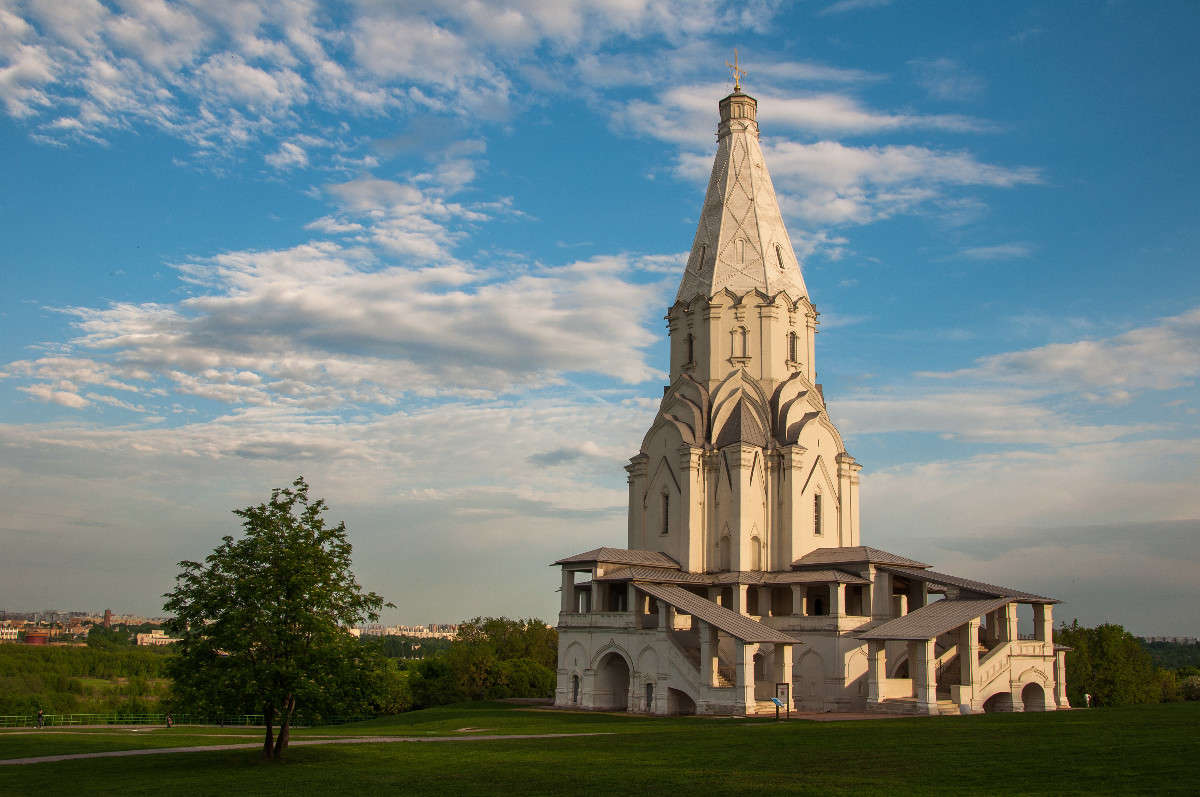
<point>853,554</point>
<point>753,577</point>
<point>621,556</point>
<point>642,573</point>
<point>947,580</point>
<point>732,623</point>
<point>934,619</point>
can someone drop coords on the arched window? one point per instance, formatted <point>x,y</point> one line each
<point>691,348</point>
<point>779,256</point>
<point>793,347</point>
<point>574,689</point>
<point>666,514</point>
<point>741,250</point>
<point>817,514</point>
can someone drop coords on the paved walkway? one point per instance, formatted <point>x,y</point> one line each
<point>294,743</point>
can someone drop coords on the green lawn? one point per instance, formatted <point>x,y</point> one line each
<point>1147,749</point>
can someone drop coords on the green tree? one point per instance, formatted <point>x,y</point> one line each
<point>1110,664</point>
<point>262,621</point>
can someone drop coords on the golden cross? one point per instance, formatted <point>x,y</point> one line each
<point>736,71</point>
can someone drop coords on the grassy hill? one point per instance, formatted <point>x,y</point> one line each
<point>64,680</point>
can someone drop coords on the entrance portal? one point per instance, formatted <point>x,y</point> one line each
<point>1034,697</point>
<point>612,684</point>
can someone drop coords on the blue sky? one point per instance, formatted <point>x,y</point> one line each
<point>422,257</point>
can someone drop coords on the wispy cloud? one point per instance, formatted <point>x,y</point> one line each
<point>946,79</point>
<point>844,6</point>
<point>1011,251</point>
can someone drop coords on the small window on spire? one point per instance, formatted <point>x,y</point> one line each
<point>793,347</point>
<point>666,514</point>
<point>779,256</point>
<point>817,514</point>
<point>691,348</point>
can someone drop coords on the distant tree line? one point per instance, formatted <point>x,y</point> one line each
<point>81,680</point>
<point>1118,669</point>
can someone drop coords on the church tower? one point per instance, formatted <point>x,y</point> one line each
<point>742,469</point>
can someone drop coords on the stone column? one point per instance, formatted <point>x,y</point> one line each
<point>875,670</point>
<point>881,607</point>
<point>837,600</point>
<point>1010,622</point>
<point>741,593</point>
<point>744,675</point>
<point>1060,679</point>
<point>797,600</point>
<point>568,590</point>
<point>663,617</point>
<point>1043,622</point>
<point>783,665</point>
<point>708,655</point>
<point>764,601</point>
<point>844,516</point>
<point>921,667</point>
<point>968,653</point>
<point>687,520</point>
<point>636,476</point>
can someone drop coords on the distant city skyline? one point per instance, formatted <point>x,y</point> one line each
<point>422,255</point>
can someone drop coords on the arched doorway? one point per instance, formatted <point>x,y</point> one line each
<point>998,703</point>
<point>679,703</point>
<point>612,684</point>
<point>1033,697</point>
<point>575,690</point>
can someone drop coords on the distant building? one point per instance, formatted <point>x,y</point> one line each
<point>108,618</point>
<point>1174,640</point>
<point>9,634</point>
<point>155,637</point>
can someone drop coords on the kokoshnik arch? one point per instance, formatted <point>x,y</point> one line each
<point>744,569</point>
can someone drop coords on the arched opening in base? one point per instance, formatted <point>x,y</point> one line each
<point>612,684</point>
<point>1033,696</point>
<point>998,703</point>
<point>679,703</point>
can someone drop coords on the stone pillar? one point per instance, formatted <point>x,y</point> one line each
<point>687,521</point>
<point>844,517</point>
<point>708,654</point>
<point>797,600</point>
<point>631,599</point>
<point>811,327</point>
<point>783,665</point>
<point>664,617</point>
<point>875,670</point>
<point>768,368</point>
<point>587,690</point>
<point>921,667</point>
<point>1060,679</point>
<point>1043,622</point>
<point>764,601</point>
<point>1010,622</point>
<point>568,590</point>
<point>881,594</point>
<point>744,675</point>
<point>741,594</point>
<point>636,476</point>
<point>714,595</point>
<point>837,600</point>
<point>968,653</point>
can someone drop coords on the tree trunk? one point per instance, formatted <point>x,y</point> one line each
<point>269,742</point>
<point>285,726</point>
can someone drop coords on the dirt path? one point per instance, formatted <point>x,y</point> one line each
<point>293,743</point>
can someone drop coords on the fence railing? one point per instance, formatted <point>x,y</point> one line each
<point>238,720</point>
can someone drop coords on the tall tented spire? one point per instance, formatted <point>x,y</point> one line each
<point>741,242</point>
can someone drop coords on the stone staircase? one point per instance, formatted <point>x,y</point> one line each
<point>690,647</point>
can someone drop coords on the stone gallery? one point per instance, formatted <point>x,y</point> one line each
<point>745,578</point>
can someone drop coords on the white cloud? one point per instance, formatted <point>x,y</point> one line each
<point>946,79</point>
<point>843,6</point>
<point>1010,251</point>
<point>289,156</point>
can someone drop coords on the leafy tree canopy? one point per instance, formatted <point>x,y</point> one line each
<point>262,620</point>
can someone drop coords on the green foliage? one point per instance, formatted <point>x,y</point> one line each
<point>406,647</point>
<point>262,621</point>
<point>492,658</point>
<point>90,679</point>
<point>1173,655</point>
<point>1110,664</point>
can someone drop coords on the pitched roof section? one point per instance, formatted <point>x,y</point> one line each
<point>621,556</point>
<point>934,619</point>
<point>853,554</point>
<point>732,623</point>
<point>666,576</point>
<point>947,580</point>
<point>741,242</point>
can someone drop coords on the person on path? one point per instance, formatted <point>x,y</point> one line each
<point>170,720</point>
<point>41,718</point>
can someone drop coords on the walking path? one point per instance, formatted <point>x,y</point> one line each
<point>294,743</point>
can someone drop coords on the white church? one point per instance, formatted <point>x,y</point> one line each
<point>745,578</point>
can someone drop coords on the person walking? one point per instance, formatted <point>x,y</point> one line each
<point>170,720</point>
<point>41,718</point>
